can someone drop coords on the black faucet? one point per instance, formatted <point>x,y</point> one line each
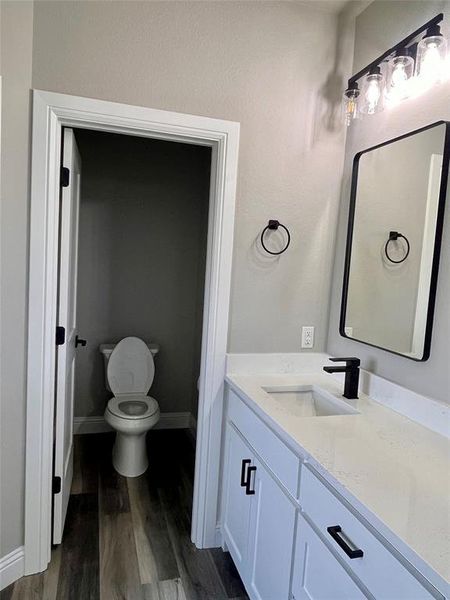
<point>351,371</point>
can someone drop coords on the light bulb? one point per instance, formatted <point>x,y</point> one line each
<point>431,52</point>
<point>350,104</point>
<point>400,73</point>
<point>431,62</point>
<point>373,92</point>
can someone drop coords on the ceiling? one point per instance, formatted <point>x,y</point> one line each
<point>335,6</point>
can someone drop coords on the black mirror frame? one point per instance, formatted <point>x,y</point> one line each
<point>437,240</point>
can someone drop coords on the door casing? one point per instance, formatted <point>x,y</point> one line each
<point>51,112</point>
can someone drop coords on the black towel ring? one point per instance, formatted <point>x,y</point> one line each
<point>273,224</point>
<point>393,236</point>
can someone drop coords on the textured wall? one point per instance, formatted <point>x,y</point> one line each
<point>277,67</point>
<point>16,46</point>
<point>378,27</point>
<point>142,251</point>
<point>269,65</point>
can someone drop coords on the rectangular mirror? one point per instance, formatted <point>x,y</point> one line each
<point>393,241</point>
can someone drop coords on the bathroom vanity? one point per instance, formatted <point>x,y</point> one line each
<point>330,498</point>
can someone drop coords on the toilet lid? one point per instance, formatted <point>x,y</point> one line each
<point>130,368</point>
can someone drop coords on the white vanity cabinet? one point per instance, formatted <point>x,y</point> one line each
<point>238,503</point>
<point>317,574</point>
<point>259,522</point>
<point>290,533</point>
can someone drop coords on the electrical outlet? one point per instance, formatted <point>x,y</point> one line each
<point>307,336</point>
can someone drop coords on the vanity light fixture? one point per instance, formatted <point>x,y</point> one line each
<point>373,92</point>
<point>415,63</point>
<point>431,55</point>
<point>350,103</point>
<point>400,74</point>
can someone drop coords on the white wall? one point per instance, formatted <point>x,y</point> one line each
<point>380,26</point>
<point>16,46</point>
<point>142,253</point>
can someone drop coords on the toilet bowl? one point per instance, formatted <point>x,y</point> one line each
<point>131,413</point>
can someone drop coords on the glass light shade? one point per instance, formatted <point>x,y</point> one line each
<point>372,95</point>
<point>400,73</point>
<point>350,105</point>
<point>431,58</point>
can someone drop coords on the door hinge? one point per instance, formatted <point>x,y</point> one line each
<point>60,335</point>
<point>56,485</point>
<point>65,176</point>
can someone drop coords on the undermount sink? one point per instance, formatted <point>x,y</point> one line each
<point>309,401</point>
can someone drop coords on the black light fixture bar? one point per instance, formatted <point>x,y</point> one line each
<point>403,44</point>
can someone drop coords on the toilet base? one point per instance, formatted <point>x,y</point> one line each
<point>129,454</point>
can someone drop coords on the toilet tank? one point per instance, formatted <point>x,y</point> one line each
<point>106,350</point>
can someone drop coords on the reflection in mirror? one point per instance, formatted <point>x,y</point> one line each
<point>395,226</point>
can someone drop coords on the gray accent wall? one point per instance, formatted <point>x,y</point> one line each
<point>142,257</point>
<point>380,26</point>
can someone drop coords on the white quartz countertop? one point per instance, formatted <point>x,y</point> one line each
<point>395,468</point>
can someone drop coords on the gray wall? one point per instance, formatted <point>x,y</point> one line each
<point>142,251</point>
<point>392,194</point>
<point>16,46</point>
<point>269,65</point>
<point>378,27</point>
<point>277,67</point>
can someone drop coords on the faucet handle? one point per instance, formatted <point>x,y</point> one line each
<point>350,361</point>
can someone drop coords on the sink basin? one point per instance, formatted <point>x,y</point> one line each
<point>309,401</point>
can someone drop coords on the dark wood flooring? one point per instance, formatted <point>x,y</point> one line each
<point>129,539</point>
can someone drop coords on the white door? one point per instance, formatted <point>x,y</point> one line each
<point>272,539</point>
<point>317,574</point>
<point>65,370</point>
<point>237,499</point>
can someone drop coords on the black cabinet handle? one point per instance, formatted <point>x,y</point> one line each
<point>245,462</point>
<point>79,342</point>
<point>248,490</point>
<point>334,531</point>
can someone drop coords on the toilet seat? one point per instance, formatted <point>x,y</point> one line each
<point>132,406</point>
<point>130,367</point>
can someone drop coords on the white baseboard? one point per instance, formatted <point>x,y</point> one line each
<point>90,425</point>
<point>193,424</point>
<point>192,428</point>
<point>174,420</point>
<point>12,567</point>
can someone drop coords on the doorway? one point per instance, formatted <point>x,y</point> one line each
<point>132,258</point>
<point>51,113</point>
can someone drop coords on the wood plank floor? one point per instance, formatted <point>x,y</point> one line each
<point>129,539</point>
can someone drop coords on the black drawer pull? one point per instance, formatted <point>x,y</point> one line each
<point>334,531</point>
<point>245,462</point>
<point>248,490</point>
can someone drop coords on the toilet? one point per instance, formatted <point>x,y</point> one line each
<point>129,375</point>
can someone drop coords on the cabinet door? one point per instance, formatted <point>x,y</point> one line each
<point>317,574</point>
<point>271,539</point>
<point>237,502</point>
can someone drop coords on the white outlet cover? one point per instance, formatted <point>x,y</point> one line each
<point>308,336</point>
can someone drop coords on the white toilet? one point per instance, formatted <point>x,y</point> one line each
<point>129,375</point>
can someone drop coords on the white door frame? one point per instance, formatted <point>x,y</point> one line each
<point>51,112</point>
